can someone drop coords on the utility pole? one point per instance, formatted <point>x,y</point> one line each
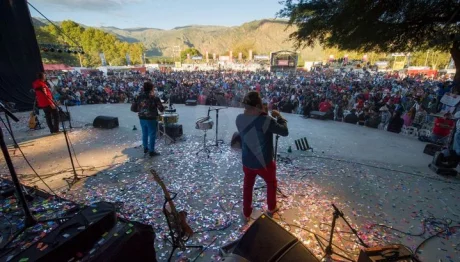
<point>426,58</point>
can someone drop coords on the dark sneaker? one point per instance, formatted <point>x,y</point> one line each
<point>153,154</point>
<point>146,150</point>
<point>244,218</point>
<point>270,213</point>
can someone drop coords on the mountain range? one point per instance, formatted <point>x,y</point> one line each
<point>262,36</point>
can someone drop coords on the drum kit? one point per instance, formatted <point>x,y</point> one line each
<point>205,124</point>
<point>168,119</point>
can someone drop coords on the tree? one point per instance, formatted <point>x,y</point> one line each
<point>93,41</point>
<point>380,26</point>
<point>191,51</point>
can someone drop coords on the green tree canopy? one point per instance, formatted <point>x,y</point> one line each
<point>93,41</point>
<point>191,51</point>
<point>380,26</point>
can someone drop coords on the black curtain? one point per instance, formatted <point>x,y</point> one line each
<point>20,59</point>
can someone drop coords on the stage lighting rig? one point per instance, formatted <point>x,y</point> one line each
<point>61,48</point>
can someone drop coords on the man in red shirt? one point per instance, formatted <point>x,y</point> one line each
<point>325,106</point>
<point>442,128</point>
<point>45,102</point>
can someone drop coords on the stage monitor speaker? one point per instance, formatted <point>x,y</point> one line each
<point>107,122</point>
<point>126,241</point>
<point>191,102</point>
<point>431,149</point>
<point>74,235</point>
<point>266,240</point>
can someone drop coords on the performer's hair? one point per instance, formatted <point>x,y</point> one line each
<point>252,100</point>
<point>40,75</point>
<point>148,86</point>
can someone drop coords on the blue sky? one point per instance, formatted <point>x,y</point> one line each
<point>164,14</point>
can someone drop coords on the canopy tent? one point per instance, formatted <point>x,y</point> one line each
<point>52,67</point>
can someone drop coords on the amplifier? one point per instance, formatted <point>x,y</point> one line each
<point>71,237</point>
<point>386,254</point>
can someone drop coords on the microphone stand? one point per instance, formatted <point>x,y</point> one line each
<point>329,252</point>
<point>9,115</point>
<point>217,124</point>
<point>75,177</point>
<point>29,219</point>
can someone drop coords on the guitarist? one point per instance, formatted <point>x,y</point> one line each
<point>256,130</point>
<point>45,102</point>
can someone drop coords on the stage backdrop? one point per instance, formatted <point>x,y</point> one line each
<point>20,59</point>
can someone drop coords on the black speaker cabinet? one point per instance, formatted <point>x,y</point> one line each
<point>265,240</point>
<point>107,122</point>
<point>191,102</point>
<point>172,130</point>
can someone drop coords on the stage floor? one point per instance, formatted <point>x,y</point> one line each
<point>373,176</point>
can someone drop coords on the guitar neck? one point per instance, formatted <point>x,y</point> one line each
<point>165,191</point>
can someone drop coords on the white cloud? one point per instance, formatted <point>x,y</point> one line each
<point>99,5</point>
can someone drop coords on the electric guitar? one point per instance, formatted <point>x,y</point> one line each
<point>33,120</point>
<point>176,220</point>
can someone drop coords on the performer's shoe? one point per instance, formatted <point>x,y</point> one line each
<point>153,154</point>
<point>244,218</point>
<point>270,213</point>
<point>146,150</point>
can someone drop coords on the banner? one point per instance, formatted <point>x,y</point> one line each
<point>240,56</point>
<point>207,57</point>
<point>178,64</point>
<point>250,55</point>
<point>231,56</point>
<point>283,62</point>
<point>224,58</point>
<point>103,61</point>
<point>261,57</point>
<point>214,56</point>
<point>398,65</point>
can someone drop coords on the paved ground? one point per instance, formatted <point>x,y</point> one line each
<point>372,175</point>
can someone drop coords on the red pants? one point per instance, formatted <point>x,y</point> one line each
<point>269,175</point>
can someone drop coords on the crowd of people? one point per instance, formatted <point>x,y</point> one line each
<point>358,96</point>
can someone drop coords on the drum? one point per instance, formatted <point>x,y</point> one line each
<point>169,118</point>
<point>204,123</point>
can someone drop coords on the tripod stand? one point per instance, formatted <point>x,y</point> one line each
<point>29,220</point>
<point>329,252</point>
<point>75,177</point>
<point>7,112</point>
<point>176,241</point>
<point>287,160</point>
